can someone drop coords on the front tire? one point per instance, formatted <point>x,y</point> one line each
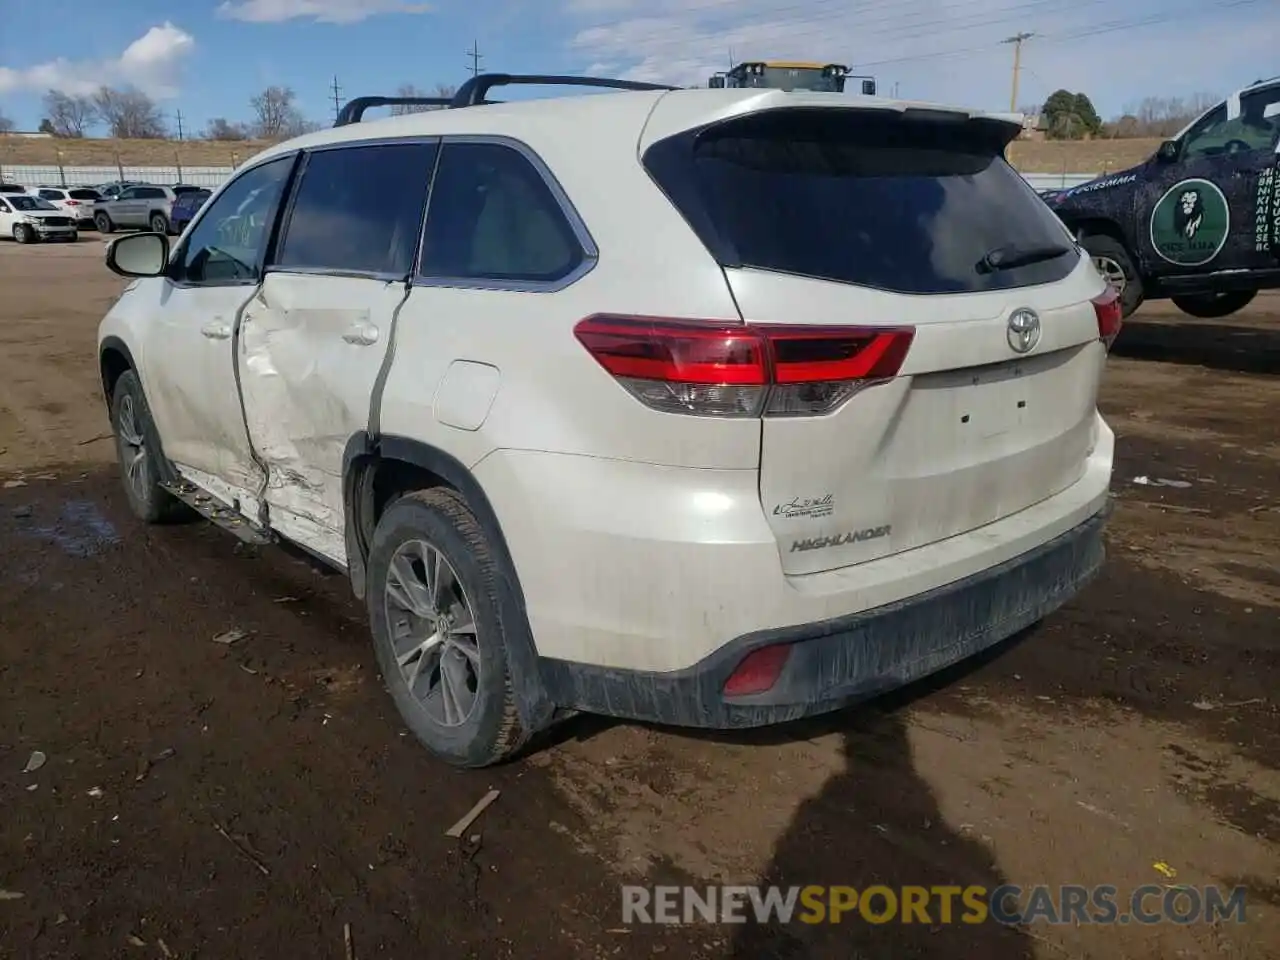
<point>24,234</point>
<point>437,629</point>
<point>1113,261</point>
<point>1214,306</point>
<point>138,452</point>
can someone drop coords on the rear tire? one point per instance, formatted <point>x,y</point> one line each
<point>1214,306</point>
<point>103,223</point>
<point>139,455</point>
<point>1113,261</point>
<point>471,719</point>
<point>159,224</point>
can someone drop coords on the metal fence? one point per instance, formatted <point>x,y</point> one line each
<point>212,176</point>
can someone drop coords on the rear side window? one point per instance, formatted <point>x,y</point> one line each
<point>147,193</point>
<point>358,210</point>
<point>51,194</point>
<point>899,203</point>
<point>494,218</point>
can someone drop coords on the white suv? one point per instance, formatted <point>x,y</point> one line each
<point>706,407</point>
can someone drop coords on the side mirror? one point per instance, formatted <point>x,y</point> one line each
<point>868,88</point>
<point>139,255</point>
<point>1168,151</point>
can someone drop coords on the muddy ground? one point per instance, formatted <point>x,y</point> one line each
<point>209,801</point>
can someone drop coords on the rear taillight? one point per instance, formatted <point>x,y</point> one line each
<point>72,203</point>
<point>1110,313</point>
<point>732,370</point>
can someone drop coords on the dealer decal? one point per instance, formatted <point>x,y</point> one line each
<point>1104,184</point>
<point>1266,217</point>
<point>1190,223</point>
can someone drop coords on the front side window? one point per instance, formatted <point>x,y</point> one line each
<point>128,194</point>
<point>230,241</point>
<point>494,218</point>
<point>358,210</point>
<point>1254,128</point>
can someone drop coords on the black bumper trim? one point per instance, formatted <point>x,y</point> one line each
<point>834,663</point>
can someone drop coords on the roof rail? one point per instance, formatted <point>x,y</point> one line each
<point>354,110</point>
<point>474,90</point>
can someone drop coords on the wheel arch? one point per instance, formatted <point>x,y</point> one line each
<point>1104,226</point>
<point>114,358</point>
<point>374,472</point>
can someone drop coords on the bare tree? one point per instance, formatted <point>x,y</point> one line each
<point>220,128</point>
<point>409,90</point>
<point>1162,116</point>
<point>70,116</point>
<point>129,114</point>
<point>6,125</point>
<point>277,116</point>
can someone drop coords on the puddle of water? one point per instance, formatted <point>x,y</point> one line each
<point>80,530</point>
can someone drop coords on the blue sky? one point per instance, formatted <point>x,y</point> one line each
<point>208,57</point>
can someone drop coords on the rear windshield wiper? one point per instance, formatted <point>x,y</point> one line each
<point>1010,256</point>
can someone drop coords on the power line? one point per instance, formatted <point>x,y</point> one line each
<point>815,26</point>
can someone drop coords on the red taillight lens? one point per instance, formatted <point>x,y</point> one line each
<point>1110,313</point>
<point>718,369</point>
<point>758,671</point>
<point>72,203</point>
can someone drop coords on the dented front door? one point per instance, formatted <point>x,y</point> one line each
<point>311,348</point>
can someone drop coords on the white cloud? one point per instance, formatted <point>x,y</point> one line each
<point>322,11</point>
<point>943,49</point>
<point>153,63</point>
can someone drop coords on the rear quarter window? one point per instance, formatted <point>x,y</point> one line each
<point>888,201</point>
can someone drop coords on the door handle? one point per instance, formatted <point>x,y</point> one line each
<point>361,334</point>
<point>216,330</point>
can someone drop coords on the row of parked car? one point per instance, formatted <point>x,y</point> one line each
<point>48,212</point>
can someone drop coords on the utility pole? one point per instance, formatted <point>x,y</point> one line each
<point>178,117</point>
<point>474,54</point>
<point>337,98</point>
<point>1016,40</point>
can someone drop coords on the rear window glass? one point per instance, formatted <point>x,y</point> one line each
<point>83,194</point>
<point>878,200</point>
<point>180,190</point>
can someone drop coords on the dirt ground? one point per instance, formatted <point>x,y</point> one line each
<point>208,801</point>
<point>1029,156</point>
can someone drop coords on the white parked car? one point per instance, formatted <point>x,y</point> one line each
<point>77,201</point>
<point>27,218</point>
<point>707,407</point>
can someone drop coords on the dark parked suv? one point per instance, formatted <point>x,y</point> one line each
<point>1198,222</point>
<point>186,207</point>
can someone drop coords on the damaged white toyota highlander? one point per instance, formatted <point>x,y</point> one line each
<point>713,408</point>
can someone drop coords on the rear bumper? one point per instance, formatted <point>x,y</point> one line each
<point>833,663</point>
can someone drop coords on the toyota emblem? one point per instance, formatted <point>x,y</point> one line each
<point>1024,330</point>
